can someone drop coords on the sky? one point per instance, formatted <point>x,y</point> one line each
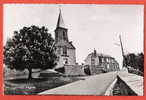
<point>90,26</point>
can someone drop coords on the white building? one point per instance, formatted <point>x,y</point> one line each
<point>98,63</point>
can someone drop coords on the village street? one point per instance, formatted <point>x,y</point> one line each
<point>73,49</point>
<point>92,85</point>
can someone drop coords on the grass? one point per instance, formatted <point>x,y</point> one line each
<point>24,86</point>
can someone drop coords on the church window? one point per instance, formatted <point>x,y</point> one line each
<point>59,51</point>
<point>65,61</point>
<point>57,58</point>
<point>64,50</point>
<point>64,37</point>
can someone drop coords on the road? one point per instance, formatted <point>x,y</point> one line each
<point>93,85</point>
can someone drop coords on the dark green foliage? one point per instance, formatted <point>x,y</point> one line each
<point>30,48</point>
<point>136,61</point>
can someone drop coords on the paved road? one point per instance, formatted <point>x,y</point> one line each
<point>93,85</point>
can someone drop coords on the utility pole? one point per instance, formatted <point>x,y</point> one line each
<point>121,45</point>
<point>124,60</point>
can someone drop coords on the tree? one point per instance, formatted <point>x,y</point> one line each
<point>30,48</point>
<point>140,62</point>
<point>135,61</point>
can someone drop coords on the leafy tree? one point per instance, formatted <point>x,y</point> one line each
<point>30,48</point>
<point>140,62</point>
<point>135,61</point>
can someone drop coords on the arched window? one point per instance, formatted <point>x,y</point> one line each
<point>64,36</point>
<point>64,50</point>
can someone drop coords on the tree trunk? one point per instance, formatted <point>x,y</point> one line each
<point>30,73</point>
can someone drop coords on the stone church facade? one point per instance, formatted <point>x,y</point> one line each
<point>65,50</point>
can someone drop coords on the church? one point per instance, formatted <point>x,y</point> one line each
<point>65,50</point>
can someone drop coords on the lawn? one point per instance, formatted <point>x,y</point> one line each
<point>24,86</point>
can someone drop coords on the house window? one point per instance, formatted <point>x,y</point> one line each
<point>104,59</point>
<point>100,60</point>
<point>108,66</point>
<point>107,60</point>
<point>64,50</point>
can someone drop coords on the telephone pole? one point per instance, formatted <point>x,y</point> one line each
<point>124,59</point>
<point>121,45</point>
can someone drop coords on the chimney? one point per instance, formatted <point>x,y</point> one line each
<point>95,52</point>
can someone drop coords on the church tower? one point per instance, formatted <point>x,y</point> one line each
<point>61,31</point>
<point>64,48</point>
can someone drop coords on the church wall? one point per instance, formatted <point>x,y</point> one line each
<point>60,62</point>
<point>70,56</point>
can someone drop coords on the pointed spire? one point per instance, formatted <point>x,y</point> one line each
<point>60,22</point>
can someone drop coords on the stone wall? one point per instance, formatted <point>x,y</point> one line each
<point>74,70</point>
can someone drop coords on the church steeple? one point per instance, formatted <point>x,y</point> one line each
<point>61,30</point>
<point>60,22</point>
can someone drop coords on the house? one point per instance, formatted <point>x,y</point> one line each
<point>96,63</point>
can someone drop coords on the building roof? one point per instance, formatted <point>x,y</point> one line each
<point>100,54</point>
<point>60,22</point>
<point>63,43</point>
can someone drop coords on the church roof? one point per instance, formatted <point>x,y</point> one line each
<point>62,43</point>
<point>60,22</point>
